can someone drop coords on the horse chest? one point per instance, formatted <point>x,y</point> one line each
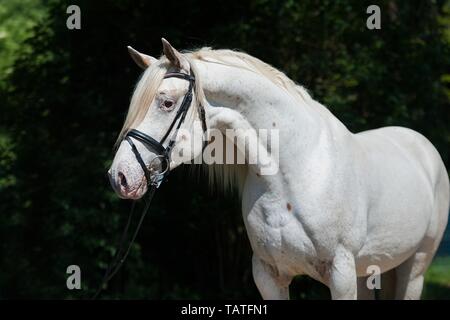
<point>279,238</point>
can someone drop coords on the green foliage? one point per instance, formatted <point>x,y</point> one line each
<point>437,279</point>
<point>67,92</point>
<point>17,17</point>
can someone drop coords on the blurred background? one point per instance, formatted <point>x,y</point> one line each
<point>64,95</point>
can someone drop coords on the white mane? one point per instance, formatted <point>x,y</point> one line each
<point>248,62</point>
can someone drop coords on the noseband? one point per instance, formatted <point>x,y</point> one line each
<point>163,153</point>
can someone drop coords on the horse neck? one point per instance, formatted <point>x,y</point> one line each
<point>267,106</point>
<point>244,99</point>
<point>258,99</point>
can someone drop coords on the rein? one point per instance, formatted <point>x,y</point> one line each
<point>120,255</point>
<point>154,179</point>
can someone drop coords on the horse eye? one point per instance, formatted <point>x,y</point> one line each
<point>168,104</point>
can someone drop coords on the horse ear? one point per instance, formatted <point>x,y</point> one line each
<point>142,60</point>
<point>176,58</point>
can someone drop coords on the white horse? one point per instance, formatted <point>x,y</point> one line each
<point>339,203</point>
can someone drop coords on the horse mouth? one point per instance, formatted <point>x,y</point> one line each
<point>139,191</point>
<point>124,190</point>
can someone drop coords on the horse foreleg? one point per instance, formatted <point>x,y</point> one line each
<point>271,285</point>
<point>410,276</point>
<point>343,280</point>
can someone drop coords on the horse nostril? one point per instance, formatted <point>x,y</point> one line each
<point>123,180</point>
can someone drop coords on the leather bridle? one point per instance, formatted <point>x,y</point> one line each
<point>163,153</point>
<point>154,180</point>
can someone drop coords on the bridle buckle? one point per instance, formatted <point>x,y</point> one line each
<point>157,177</point>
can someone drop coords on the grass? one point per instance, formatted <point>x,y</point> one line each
<point>437,279</point>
